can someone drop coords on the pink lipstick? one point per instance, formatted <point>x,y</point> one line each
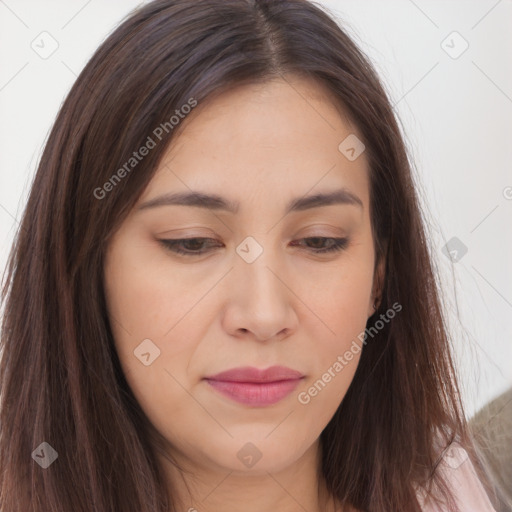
<point>252,386</point>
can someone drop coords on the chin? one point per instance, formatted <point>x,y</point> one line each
<point>257,457</point>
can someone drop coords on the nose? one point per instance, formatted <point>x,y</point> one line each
<point>260,303</point>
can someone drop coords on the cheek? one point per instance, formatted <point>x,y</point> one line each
<point>145,306</point>
<point>147,297</point>
<point>335,351</point>
<point>340,301</point>
<point>154,308</point>
<point>339,294</point>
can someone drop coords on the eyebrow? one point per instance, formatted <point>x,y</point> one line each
<point>216,202</point>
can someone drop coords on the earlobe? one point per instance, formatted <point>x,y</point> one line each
<point>372,308</point>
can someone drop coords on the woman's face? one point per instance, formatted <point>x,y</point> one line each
<point>256,291</point>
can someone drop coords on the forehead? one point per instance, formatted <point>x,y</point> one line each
<point>277,139</point>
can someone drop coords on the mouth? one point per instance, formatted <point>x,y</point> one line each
<point>254,393</point>
<point>258,388</point>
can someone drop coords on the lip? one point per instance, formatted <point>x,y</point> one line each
<point>252,386</point>
<point>251,374</point>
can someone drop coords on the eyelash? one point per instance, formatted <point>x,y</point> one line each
<point>337,245</point>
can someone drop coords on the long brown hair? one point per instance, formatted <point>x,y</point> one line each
<point>61,380</point>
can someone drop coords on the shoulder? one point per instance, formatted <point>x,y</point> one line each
<point>461,476</point>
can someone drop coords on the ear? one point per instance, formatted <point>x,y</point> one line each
<point>379,275</point>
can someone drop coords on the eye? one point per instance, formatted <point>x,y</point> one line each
<point>198,246</point>
<point>188,246</point>
<point>318,244</point>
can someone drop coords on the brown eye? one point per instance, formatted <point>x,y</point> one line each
<point>318,244</point>
<point>189,246</point>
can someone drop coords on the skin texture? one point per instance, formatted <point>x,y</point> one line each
<point>260,145</point>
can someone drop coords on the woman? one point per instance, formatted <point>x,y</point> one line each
<point>221,294</point>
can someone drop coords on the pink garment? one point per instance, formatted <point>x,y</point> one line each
<point>468,490</point>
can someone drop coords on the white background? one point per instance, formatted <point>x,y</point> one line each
<point>456,116</point>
